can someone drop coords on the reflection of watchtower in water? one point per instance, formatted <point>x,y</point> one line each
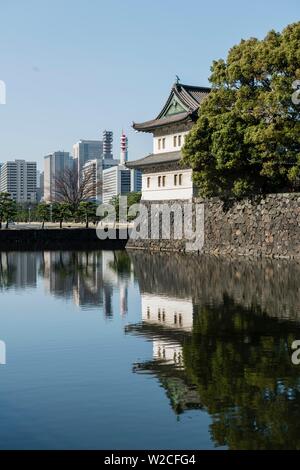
<point>167,311</point>
<point>168,322</point>
<point>170,313</point>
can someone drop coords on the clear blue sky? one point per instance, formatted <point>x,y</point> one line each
<point>73,68</point>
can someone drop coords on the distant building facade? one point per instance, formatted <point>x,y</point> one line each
<point>164,178</point>
<point>54,165</point>
<point>86,150</point>
<point>108,144</point>
<point>116,181</point>
<point>108,159</point>
<point>18,178</point>
<point>39,186</point>
<point>93,170</point>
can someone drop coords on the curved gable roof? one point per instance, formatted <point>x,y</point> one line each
<point>189,98</point>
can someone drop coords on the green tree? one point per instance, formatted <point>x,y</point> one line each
<point>61,212</point>
<point>247,137</point>
<point>8,208</point>
<point>87,212</point>
<point>26,212</point>
<point>43,213</point>
<point>132,198</point>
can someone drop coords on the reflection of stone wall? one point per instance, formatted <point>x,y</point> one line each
<point>271,285</point>
<point>56,239</point>
<point>268,227</point>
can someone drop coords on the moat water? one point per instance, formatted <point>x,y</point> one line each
<point>105,350</point>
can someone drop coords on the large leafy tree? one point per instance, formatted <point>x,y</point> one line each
<point>247,137</point>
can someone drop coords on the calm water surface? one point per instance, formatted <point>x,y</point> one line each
<point>116,351</point>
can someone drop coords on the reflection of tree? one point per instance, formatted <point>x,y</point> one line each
<point>181,392</point>
<point>241,365</point>
<point>237,366</point>
<point>121,263</point>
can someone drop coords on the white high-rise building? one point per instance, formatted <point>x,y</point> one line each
<point>18,178</point>
<point>54,165</point>
<point>116,181</point>
<point>93,169</point>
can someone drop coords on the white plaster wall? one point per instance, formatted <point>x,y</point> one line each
<point>169,143</point>
<point>169,191</point>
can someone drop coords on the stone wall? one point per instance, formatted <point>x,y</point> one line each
<point>268,226</point>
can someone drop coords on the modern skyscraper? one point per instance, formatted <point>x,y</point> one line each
<point>93,170</point>
<point>86,150</point>
<point>108,160</point>
<point>107,144</point>
<point>39,185</point>
<point>19,179</point>
<point>135,181</point>
<point>116,181</point>
<point>54,165</point>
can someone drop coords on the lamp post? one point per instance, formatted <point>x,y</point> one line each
<point>29,213</point>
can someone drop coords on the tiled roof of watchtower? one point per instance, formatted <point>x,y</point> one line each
<point>182,104</point>
<point>154,159</point>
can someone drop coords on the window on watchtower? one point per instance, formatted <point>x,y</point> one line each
<point>159,144</point>
<point>148,182</point>
<point>180,179</point>
<point>159,181</point>
<point>164,181</point>
<point>179,141</point>
<point>175,140</point>
<point>175,180</point>
<point>163,143</point>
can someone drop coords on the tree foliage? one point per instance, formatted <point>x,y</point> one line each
<point>43,213</point>
<point>87,212</point>
<point>247,137</point>
<point>8,208</point>
<point>132,198</point>
<point>61,212</point>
